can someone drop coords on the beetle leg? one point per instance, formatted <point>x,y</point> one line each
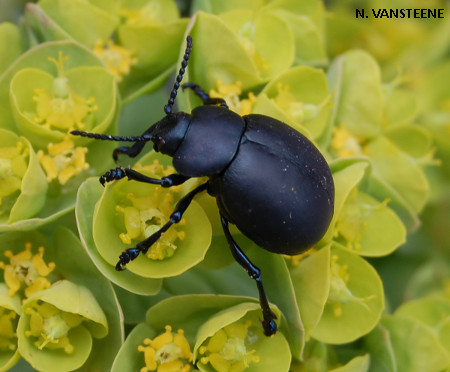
<point>142,247</point>
<point>131,151</point>
<point>268,322</point>
<point>120,172</point>
<point>206,99</point>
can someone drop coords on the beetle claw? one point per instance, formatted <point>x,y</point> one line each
<point>112,175</point>
<point>270,326</point>
<point>129,255</point>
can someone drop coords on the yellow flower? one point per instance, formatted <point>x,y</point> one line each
<point>345,143</point>
<point>227,350</point>
<point>50,326</point>
<point>148,15</point>
<point>147,214</point>
<point>63,160</point>
<point>13,165</point>
<point>353,220</point>
<point>168,352</point>
<point>62,108</point>
<point>230,93</point>
<point>246,36</point>
<point>339,292</point>
<point>297,111</point>
<point>26,271</point>
<point>117,59</point>
<point>295,260</point>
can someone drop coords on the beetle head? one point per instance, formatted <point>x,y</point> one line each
<point>169,132</point>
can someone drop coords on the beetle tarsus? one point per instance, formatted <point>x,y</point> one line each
<point>118,173</point>
<point>112,175</point>
<point>129,255</point>
<point>269,325</point>
<point>206,99</point>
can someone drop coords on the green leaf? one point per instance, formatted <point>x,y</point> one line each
<point>80,269</point>
<point>379,344</point>
<point>281,292</point>
<point>411,346</point>
<point>33,187</point>
<point>8,358</point>
<point>300,93</point>
<point>357,364</point>
<point>37,58</point>
<point>381,190</point>
<point>259,34</point>
<point>314,9</point>
<point>218,7</point>
<point>129,359</point>
<point>369,227</point>
<point>273,351</point>
<point>266,106</point>
<point>60,200</point>
<point>430,277</point>
<point>131,90</point>
<point>156,48</point>
<point>41,26</point>
<point>309,45</point>
<point>208,64</point>
<point>76,299</point>
<point>433,311</point>
<point>85,81</point>
<point>233,280</point>
<point>400,171</point>
<point>217,256</point>
<point>9,302</point>
<point>11,44</point>
<point>347,173</point>
<point>98,23</point>
<point>358,95</point>
<point>152,12</point>
<point>151,42</point>
<point>89,192</point>
<point>108,226</point>
<point>311,280</point>
<point>315,357</point>
<point>401,107</point>
<point>433,90</point>
<point>197,309</point>
<point>414,140</point>
<point>355,302</point>
<point>52,361</point>
<point>73,264</point>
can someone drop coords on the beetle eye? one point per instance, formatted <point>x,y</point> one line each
<point>160,143</point>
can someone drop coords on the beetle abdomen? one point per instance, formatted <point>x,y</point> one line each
<point>278,190</point>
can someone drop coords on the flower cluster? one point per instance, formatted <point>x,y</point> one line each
<point>41,312</point>
<point>371,94</point>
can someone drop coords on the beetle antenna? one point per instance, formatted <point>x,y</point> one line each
<point>107,137</point>
<point>184,63</point>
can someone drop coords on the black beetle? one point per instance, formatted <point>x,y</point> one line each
<point>268,179</point>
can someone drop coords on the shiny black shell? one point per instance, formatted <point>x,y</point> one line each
<point>268,179</point>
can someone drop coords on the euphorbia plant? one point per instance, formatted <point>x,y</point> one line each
<point>342,306</point>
